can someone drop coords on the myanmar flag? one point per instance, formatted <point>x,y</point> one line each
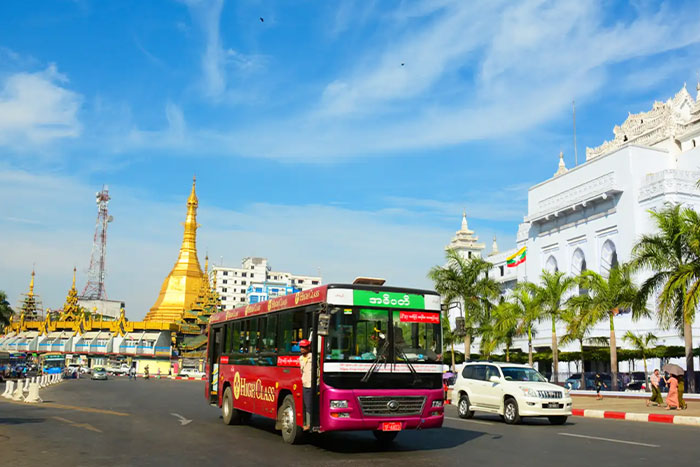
<point>516,258</point>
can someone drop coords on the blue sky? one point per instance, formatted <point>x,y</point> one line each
<point>344,137</point>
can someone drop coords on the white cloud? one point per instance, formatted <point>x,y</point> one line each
<point>37,108</point>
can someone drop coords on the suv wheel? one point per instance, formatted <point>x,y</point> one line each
<point>510,412</point>
<point>463,407</point>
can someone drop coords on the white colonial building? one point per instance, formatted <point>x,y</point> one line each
<point>589,217</point>
<point>255,281</point>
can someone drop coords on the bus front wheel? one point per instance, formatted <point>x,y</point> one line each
<point>291,432</point>
<point>231,416</point>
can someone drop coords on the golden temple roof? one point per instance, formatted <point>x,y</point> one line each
<point>181,287</point>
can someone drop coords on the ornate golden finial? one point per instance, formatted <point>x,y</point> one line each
<point>192,200</point>
<point>31,285</point>
<point>74,276</point>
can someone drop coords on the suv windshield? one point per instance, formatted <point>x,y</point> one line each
<point>362,333</point>
<point>522,374</point>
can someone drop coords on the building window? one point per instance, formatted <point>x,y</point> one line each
<point>314,282</point>
<point>224,289</point>
<point>252,275</point>
<point>225,273</point>
<point>244,274</point>
<point>501,268</point>
<point>469,254</point>
<point>242,290</point>
<point>225,281</point>
<point>301,281</point>
<point>252,267</point>
<point>242,282</point>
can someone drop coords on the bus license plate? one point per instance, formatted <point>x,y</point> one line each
<point>391,426</point>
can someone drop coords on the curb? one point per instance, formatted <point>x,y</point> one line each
<point>637,417</point>
<point>188,378</point>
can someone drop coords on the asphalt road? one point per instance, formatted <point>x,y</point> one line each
<point>159,422</point>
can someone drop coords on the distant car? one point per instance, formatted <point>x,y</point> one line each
<point>99,373</point>
<point>191,373</point>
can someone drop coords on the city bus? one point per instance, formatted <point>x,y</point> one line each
<point>376,353</point>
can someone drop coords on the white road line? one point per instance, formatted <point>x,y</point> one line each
<point>470,421</point>
<point>611,440</point>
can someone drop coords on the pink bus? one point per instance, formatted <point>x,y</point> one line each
<point>376,353</point>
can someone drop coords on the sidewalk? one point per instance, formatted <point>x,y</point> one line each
<point>635,409</point>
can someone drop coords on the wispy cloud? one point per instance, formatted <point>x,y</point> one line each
<point>37,109</point>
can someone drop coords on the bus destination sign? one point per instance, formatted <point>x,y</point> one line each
<point>388,299</point>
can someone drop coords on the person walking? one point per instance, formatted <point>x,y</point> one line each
<point>599,386</point>
<point>305,366</point>
<point>681,388</point>
<point>655,398</point>
<point>145,372</point>
<point>672,398</point>
<point>132,373</point>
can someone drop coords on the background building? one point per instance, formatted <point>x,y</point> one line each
<point>589,217</point>
<point>255,281</point>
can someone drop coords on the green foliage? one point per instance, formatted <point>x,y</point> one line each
<point>5,309</point>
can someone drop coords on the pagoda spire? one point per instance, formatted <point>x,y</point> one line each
<point>31,285</point>
<point>180,288</point>
<point>71,309</point>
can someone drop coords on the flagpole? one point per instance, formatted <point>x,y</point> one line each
<point>573,104</point>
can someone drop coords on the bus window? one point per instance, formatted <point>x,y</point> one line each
<point>228,340</point>
<point>236,337</point>
<point>253,345</point>
<point>294,326</point>
<point>262,326</point>
<point>270,337</point>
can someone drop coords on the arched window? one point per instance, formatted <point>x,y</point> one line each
<point>608,258</point>
<point>551,264</point>
<point>578,262</point>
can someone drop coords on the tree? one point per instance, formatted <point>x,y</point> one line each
<point>642,343</point>
<point>550,294</point>
<point>466,280</point>
<point>668,255</point>
<point>506,325</point>
<point>605,299</point>
<point>580,319</point>
<point>5,310</point>
<point>448,337</point>
<point>526,306</point>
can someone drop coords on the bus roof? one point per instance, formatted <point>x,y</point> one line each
<point>339,294</point>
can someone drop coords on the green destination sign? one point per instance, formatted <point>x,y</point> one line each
<point>388,299</point>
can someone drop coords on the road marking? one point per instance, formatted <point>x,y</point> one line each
<point>611,440</point>
<point>470,421</point>
<point>86,426</point>
<point>53,405</point>
<point>183,421</point>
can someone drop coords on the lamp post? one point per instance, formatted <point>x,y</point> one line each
<point>460,327</point>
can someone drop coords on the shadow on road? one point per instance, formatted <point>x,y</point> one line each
<point>20,420</point>
<point>363,441</point>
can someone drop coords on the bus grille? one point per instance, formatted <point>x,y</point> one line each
<point>376,406</point>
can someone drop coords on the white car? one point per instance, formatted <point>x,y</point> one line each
<point>509,390</point>
<point>191,372</point>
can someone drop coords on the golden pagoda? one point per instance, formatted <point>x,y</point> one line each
<point>181,287</point>
<point>71,309</point>
<point>30,305</point>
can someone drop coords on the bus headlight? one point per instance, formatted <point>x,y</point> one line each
<point>339,404</point>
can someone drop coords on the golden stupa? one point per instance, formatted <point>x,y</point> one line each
<point>181,288</point>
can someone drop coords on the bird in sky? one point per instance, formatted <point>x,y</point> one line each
<point>402,64</point>
<point>262,20</point>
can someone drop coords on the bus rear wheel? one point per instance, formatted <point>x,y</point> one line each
<point>292,433</point>
<point>230,415</point>
<point>385,437</point>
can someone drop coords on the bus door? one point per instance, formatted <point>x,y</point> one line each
<point>215,341</point>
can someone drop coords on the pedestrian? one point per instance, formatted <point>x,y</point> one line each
<point>145,372</point>
<point>655,398</point>
<point>132,373</point>
<point>599,383</point>
<point>158,373</point>
<point>305,366</point>
<point>681,388</point>
<point>672,398</point>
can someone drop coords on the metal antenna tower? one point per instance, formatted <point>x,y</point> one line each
<point>95,287</point>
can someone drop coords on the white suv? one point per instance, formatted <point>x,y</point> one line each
<point>510,390</point>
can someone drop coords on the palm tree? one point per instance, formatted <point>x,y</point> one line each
<point>448,337</point>
<point>506,325</point>
<point>466,280</point>
<point>5,309</point>
<point>527,307</point>
<point>550,294</point>
<point>668,255</point>
<point>643,344</point>
<point>579,319</point>
<point>606,298</point>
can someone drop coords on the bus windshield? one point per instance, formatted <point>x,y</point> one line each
<point>361,334</point>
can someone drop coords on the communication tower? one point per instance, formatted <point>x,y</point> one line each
<point>95,287</point>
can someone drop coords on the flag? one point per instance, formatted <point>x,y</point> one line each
<point>516,258</point>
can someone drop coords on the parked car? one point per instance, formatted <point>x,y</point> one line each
<point>99,373</point>
<point>190,372</point>
<point>574,381</point>
<point>511,391</point>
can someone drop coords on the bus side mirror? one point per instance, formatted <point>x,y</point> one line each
<point>323,324</point>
